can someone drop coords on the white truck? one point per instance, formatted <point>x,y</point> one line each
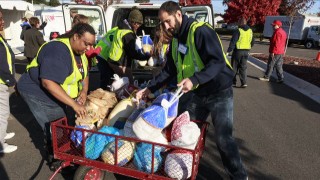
<point>59,19</point>
<point>102,21</point>
<point>304,29</point>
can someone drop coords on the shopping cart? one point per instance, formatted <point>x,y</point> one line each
<point>70,153</point>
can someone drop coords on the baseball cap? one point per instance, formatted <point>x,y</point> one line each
<point>277,22</point>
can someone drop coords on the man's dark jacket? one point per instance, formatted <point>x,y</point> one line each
<point>33,39</point>
<point>214,77</point>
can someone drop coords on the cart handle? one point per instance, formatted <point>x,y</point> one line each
<point>63,165</point>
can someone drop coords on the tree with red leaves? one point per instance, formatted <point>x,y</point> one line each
<point>253,10</point>
<point>193,2</point>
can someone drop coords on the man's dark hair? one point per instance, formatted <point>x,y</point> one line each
<point>170,7</point>
<point>79,29</point>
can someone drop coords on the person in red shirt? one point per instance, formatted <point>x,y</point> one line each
<point>276,52</point>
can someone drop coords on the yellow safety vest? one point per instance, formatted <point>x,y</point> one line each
<point>192,62</point>
<point>73,83</point>
<point>8,58</point>
<point>245,38</point>
<point>112,45</point>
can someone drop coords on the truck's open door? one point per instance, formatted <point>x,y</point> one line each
<point>93,12</point>
<point>199,12</point>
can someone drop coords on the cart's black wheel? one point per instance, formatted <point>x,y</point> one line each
<point>88,173</point>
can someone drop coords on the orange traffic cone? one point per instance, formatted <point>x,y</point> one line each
<point>318,56</point>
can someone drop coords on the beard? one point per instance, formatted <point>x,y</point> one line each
<point>175,30</point>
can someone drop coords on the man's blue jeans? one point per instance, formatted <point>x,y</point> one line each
<point>220,105</point>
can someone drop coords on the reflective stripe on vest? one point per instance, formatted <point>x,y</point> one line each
<point>112,48</point>
<point>73,83</point>
<point>245,38</point>
<point>9,60</point>
<point>192,62</point>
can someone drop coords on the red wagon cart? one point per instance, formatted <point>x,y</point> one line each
<point>69,152</point>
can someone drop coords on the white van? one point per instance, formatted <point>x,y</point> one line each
<point>55,21</point>
<point>102,21</point>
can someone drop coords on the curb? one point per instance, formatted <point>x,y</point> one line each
<point>292,81</point>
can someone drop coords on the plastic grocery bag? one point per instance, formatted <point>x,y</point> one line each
<point>76,135</point>
<point>156,117</point>
<point>138,44</point>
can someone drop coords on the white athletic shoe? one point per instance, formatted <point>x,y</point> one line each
<point>9,135</point>
<point>7,148</point>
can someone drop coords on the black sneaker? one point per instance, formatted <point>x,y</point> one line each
<point>234,85</point>
<point>244,86</point>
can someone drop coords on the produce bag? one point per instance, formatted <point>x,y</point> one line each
<point>96,143</point>
<point>143,157</point>
<point>184,132</point>
<point>124,155</point>
<point>178,164</point>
